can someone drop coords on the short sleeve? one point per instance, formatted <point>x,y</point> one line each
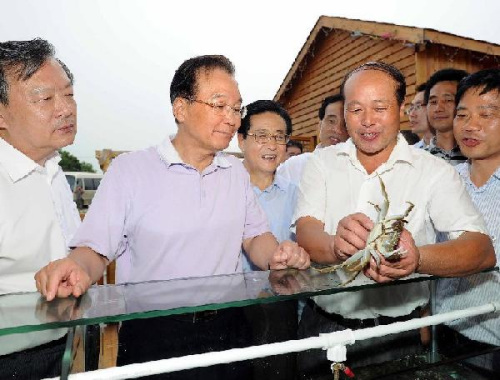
<point>450,207</point>
<point>103,228</point>
<point>311,199</point>
<point>256,222</point>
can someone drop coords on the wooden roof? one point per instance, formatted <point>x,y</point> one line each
<point>385,31</point>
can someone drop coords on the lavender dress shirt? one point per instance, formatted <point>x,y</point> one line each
<point>162,219</point>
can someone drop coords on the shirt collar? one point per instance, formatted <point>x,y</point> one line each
<point>169,154</point>
<point>401,153</point>
<point>465,172</point>
<point>280,182</point>
<point>434,148</point>
<point>18,165</point>
<point>497,173</point>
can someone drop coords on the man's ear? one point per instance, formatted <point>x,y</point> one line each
<point>179,108</point>
<point>3,123</point>
<point>402,111</point>
<point>241,142</point>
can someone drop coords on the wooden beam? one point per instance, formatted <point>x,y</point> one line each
<point>378,29</point>
<point>461,42</point>
<point>417,36</point>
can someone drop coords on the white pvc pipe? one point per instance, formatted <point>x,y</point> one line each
<point>324,341</point>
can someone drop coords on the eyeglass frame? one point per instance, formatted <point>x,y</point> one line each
<point>414,107</point>
<point>269,137</point>
<point>221,108</point>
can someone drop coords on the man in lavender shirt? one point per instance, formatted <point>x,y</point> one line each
<point>180,209</point>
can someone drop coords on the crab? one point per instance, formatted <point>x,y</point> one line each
<point>382,240</point>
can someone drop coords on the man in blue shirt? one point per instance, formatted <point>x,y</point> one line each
<point>262,138</point>
<point>477,130</point>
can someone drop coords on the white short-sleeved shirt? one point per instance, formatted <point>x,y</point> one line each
<point>37,217</point>
<point>292,168</point>
<point>37,220</point>
<point>335,184</point>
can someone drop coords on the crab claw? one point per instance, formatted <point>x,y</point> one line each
<point>375,255</point>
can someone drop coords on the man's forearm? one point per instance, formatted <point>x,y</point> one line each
<point>312,237</point>
<point>260,249</point>
<point>470,253</point>
<point>93,263</point>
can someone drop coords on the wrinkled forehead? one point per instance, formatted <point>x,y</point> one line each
<point>369,82</point>
<point>50,70</point>
<point>216,83</point>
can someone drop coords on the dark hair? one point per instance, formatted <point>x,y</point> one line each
<point>390,70</point>
<point>421,87</point>
<point>487,80</point>
<point>184,83</point>
<point>444,75</point>
<point>326,102</point>
<point>261,106</point>
<point>22,59</point>
<point>296,144</point>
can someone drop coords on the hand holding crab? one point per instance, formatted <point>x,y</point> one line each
<point>394,269</point>
<point>374,247</point>
<point>351,236</point>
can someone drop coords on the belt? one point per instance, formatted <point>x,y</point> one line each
<point>196,317</point>
<point>352,323</point>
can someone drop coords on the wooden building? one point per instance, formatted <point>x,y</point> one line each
<point>337,45</point>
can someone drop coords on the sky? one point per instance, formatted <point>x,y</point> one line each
<point>123,53</point>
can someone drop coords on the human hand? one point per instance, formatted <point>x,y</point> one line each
<point>395,269</point>
<point>62,278</point>
<point>351,236</point>
<point>286,282</point>
<point>289,255</point>
<point>62,309</point>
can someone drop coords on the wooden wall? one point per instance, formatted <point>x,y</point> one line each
<point>434,57</point>
<point>331,56</point>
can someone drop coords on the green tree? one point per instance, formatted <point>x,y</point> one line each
<point>70,163</point>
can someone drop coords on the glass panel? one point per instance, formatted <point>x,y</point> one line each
<point>112,303</point>
<point>256,307</point>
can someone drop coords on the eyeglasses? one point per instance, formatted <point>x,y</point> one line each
<point>220,108</point>
<point>414,108</point>
<point>264,138</point>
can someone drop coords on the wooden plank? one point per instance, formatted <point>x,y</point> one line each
<point>304,80</point>
<point>317,76</point>
<point>461,42</point>
<point>421,70</point>
<point>342,62</point>
<point>333,81</point>
<point>417,36</point>
<point>334,74</point>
